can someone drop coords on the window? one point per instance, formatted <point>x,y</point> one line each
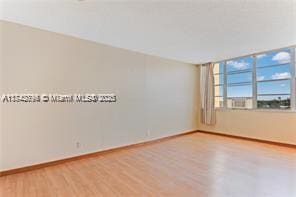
<point>293,73</point>
<point>263,81</point>
<point>239,82</point>
<point>274,79</point>
<point>219,84</point>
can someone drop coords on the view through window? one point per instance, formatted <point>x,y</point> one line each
<point>263,81</point>
<point>219,84</point>
<point>239,82</point>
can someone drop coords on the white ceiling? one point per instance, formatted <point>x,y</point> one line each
<point>189,31</point>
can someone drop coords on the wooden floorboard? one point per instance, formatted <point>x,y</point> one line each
<point>192,165</point>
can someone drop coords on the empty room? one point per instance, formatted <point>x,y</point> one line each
<point>148,98</point>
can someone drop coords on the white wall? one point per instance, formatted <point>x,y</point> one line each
<point>154,94</point>
<point>274,126</point>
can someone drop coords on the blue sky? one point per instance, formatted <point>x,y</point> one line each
<point>263,73</point>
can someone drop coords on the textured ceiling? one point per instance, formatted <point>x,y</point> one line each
<point>189,31</point>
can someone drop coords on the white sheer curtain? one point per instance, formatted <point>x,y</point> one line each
<point>208,115</point>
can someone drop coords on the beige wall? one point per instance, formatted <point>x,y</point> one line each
<point>268,125</point>
<point>156,97</point>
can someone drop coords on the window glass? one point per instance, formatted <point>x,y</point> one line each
<point>295,61</point>
<point>239,64</point>
<point>219,90</point>
<point>218,102</point>
<point>239,78</point>
<point>240,103</point>
<point>219,79</point>
<point>219,67</point>
<point>273,73</point>
<point>239,82</point>
<point>273,102</point>
<point>274,87</point>
<point>273,80</point>
<point>273,58</point>
<point>273,76</point>
<point>239,91</point>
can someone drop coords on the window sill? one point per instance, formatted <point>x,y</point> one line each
<point>258,110</point>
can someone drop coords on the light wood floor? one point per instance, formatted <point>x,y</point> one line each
<point>192,165</point>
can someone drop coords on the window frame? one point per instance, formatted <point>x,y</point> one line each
<point>254,82</point>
